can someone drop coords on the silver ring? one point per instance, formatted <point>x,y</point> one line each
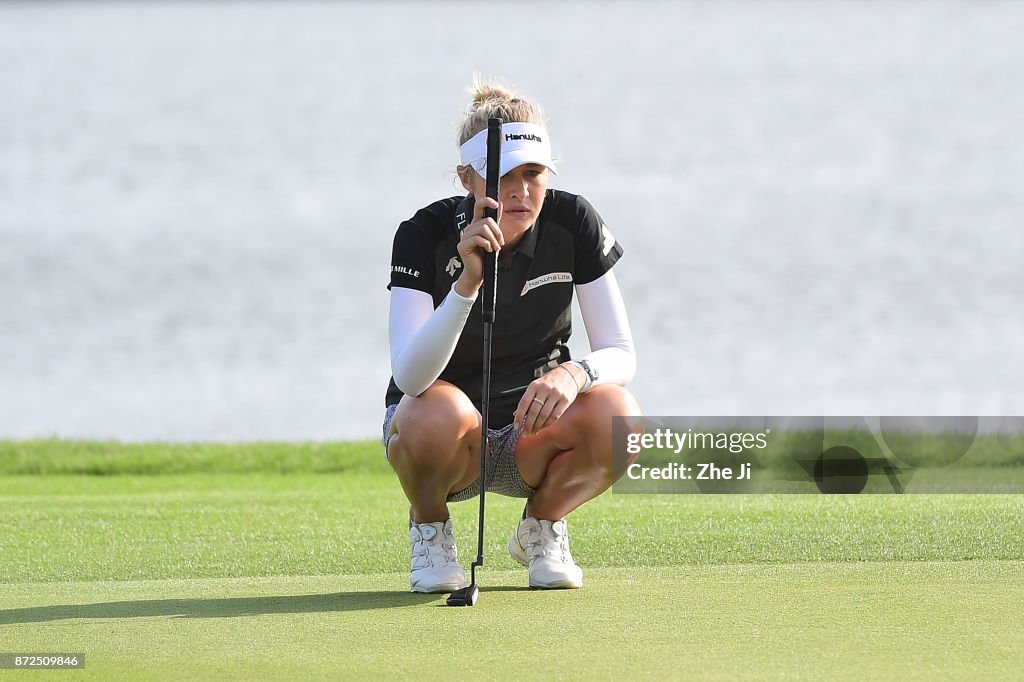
<point>537,400</point>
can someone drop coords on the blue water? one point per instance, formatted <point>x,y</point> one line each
<point>820,202</point>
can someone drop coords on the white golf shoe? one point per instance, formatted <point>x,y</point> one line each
<point>543,546</point>
<point>435,559</point>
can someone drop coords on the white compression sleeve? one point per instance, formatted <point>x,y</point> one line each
<point>611,342</point>
<point>422,338</point>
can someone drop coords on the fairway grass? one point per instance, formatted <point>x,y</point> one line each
<point>296,570</point>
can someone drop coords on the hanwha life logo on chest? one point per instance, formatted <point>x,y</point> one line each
<point>549,278</point>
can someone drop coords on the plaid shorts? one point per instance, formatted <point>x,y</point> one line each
<point>502,475</point>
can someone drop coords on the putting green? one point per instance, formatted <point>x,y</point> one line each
<point>287,562</point>
<point>864,620</point>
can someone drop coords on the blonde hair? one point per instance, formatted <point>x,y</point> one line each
<point>491,100</point>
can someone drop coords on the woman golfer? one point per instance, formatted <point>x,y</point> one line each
<point>552,441</point>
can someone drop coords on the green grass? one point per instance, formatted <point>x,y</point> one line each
<point>61,528</point>
<point>110,458</point>
<point>225,567</point>
<point>893,620</point>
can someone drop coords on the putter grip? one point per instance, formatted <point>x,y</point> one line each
<point>490,288</point>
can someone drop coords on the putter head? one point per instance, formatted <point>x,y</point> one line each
<point>467,596</point>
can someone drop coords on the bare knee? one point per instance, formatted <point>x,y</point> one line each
<point>432,429</point>
<point>601,407</point>
<point>605,413</point>
<point>584,464</point>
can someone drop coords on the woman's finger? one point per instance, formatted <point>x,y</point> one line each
<point>533,413</point>
<point>528,405</point>
<point>543,412</point>
<point>485,203</point>
<point>554,408</point>
<point>476,243</point>
<point>486,228</point>
<point>490,229</point>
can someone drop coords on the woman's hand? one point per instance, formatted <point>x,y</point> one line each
<point>547,399</point>
<point>481,235</point>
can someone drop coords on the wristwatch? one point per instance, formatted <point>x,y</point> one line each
<point>590,371</point>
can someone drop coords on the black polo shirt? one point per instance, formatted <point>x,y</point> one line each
<point>569,244</point>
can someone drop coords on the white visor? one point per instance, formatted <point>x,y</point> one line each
<point>521,143</point>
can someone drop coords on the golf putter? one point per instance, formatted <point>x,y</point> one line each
<point>467,596</point>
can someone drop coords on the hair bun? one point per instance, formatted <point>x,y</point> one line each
<point>484,92</point>
<point>495,101</point>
